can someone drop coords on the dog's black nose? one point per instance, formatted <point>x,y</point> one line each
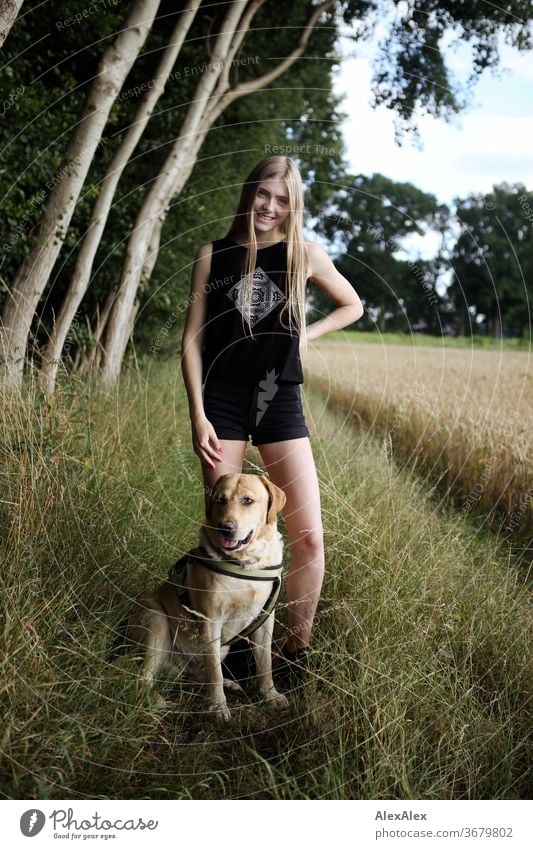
<point>227,527</point>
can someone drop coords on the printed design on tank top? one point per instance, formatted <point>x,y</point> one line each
<point>265,296</point>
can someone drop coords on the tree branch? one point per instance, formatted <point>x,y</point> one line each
<point>261,82</point>
<point>244,26</point>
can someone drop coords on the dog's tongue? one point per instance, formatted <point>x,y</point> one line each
<point>230,543</point>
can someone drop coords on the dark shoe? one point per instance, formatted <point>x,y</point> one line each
<point>239,664</point>
<point>292,669</point>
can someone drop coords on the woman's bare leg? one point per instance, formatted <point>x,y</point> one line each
<point>291,466</point>
<point>231,460</point>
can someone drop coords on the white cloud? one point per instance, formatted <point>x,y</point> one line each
<point>487,144</point>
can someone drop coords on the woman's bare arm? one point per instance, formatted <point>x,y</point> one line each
<point>204,438</point>
<point>193,333</point>
<point>324,274</point>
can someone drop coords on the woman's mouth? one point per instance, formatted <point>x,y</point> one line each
<point>264,217</point>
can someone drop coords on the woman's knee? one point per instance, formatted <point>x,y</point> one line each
<point>309,545</point>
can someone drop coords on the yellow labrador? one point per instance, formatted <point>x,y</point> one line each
<point>210,599</point>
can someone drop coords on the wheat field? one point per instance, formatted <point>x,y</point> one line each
<point>465,417</point>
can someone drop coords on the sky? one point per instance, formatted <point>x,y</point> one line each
<point>489,143</point>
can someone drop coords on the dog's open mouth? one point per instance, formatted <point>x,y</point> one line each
<point>233,544</point>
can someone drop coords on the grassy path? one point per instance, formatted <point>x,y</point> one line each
<point>422,650</point>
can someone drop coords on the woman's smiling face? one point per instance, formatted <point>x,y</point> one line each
<point>271,206</point>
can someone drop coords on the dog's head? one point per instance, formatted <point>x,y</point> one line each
<point>239,508</point>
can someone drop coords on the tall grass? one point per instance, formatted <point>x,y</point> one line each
<point>422,646</point>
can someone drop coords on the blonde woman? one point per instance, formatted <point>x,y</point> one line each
<point>244,332</point>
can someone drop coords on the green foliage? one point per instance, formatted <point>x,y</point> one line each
<point>368,221</point>
<point>411,71</point>
<point>490,288</point>
<point>492,259</point>
<point>47,72</point>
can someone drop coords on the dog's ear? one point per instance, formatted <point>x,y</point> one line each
<point>276,499</point>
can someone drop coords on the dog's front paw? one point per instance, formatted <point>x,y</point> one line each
<point>277,700</point>
<point>233,686</point>
<point>221,711</point>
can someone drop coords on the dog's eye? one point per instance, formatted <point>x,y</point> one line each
<point>247,500</point>
<point>220,499</point>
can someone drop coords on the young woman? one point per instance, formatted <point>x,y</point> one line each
<point>244,331</point>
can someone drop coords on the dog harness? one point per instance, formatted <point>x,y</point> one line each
<point>234,569</point>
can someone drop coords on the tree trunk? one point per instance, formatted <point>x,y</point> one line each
<point>462,319</point>
<point>9,10</point>
<point>496,323</point>
<point>32,277</point>
<point>382,323</point>
<point>84,263</point>
<point>178,167</point>
<point>92,360</point>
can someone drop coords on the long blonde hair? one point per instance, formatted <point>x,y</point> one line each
<point>242,228</point>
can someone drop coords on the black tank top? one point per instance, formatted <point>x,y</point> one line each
<point>230,354</point>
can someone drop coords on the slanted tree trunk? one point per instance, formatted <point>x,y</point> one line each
<point>207,105</point>
<point>84,263</point>
<point>183,152</point>
<point>32,276</point>
<point>9,10</point>
<point>92,359</point>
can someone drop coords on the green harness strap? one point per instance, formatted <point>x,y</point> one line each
<point>235,570</point>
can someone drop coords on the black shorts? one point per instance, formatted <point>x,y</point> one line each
<point>267,413</point>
